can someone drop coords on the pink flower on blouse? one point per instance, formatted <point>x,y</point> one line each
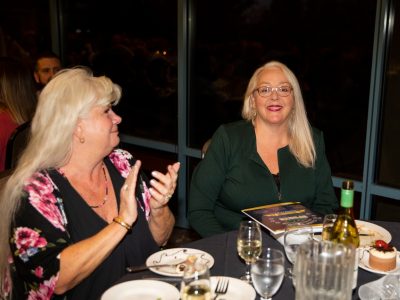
<point>40,194</point>
<point>38,272</point>
<point>28,242</point>
<point>120,158</point>
<point>45,290</point>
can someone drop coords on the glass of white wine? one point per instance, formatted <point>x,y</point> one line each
<point>195,283</point>
<point>327,225</point>
<point>249,245</point>
<point>267,273</point>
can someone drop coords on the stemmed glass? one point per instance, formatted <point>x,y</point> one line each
<point>267,273</point>
<point>196,282</point>
<point>249,245</point>
<point>294,236</point>
<point>327,225</point>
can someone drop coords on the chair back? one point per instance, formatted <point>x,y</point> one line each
<point>16,144</point>
<point>205,148</point>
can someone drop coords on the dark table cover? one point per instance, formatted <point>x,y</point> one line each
<point>227,262</point>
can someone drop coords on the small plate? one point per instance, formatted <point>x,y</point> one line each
<point>143,290</point>
<point>237,289</point>
<point>363,256</point>
<point>375,232</point>
<point>176,256</point>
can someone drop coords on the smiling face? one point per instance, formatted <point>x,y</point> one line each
<point>100,129</point>
<point>273,109</point>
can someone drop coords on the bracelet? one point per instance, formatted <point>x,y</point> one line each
<point>121,222</point>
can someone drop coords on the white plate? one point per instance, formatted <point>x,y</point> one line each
<point>143,290</point>
<point>237,289</point>
<point>363,256</point>
<point>376,232</point>
<point>176,256</point>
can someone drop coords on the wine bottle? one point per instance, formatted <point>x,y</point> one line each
<point>344,230</point>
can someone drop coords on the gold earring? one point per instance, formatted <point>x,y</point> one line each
<point>82,140</point>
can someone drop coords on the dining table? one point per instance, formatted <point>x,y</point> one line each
<point>228,263</point>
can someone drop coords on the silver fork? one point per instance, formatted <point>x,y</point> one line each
<point>221,288</point>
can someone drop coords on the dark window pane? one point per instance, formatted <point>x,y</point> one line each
<point>385,209</point>
<point>389,158</point>
<point>24,28</point>
<point>325,43</point>
<point>134,43</point>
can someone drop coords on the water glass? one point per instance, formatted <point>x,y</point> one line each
<point>195,283</point>
<point>249,245</point>
<point>324,271</point>
<point>327,225</point>
<point>293,238</point>
<point>267,273</point>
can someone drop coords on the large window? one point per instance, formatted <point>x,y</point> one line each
<point>389,158</point>
<point>326,44</point>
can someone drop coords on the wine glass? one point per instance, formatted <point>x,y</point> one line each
<point>196,282</point>
<point>327,225</point>
<point>294,236</point>
<point>267,273</point>
<point>249,243</point>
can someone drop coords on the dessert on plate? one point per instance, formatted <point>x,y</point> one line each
<point>382,256</point>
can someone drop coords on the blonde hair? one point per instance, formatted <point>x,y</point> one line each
<point>301,142</point>
<point>69,96</point>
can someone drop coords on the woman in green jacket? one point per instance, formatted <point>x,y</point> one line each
<point>271,156</point>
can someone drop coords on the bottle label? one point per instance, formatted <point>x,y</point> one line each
<point>346,199</point>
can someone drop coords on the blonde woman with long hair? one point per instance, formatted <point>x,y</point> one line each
<point>77,210</point>
<point>271,156</point>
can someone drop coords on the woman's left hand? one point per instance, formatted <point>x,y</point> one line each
<point>163,186</point>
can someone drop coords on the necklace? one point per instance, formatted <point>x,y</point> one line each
<point>106,192</point>
<point>106,187</point>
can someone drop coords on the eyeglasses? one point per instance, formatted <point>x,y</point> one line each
<point>266,91</point>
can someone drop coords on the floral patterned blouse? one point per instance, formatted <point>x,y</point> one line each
<point>53,216</point>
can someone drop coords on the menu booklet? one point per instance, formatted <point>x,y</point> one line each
<point>275,217</point>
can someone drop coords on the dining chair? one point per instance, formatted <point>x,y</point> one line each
<point>205,148</point>
<point>16,143</point>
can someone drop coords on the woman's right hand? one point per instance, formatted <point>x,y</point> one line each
<point>128,204</point>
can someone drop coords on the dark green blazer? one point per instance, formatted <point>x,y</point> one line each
<point>232,177</point>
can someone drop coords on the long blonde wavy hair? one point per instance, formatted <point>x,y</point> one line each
<point>301,142</point>
<point>68,97</point>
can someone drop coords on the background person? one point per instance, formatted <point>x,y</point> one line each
<point>79,211</point>
<point>17,99</point>
<point>271,156</point>
<point>46,65</point>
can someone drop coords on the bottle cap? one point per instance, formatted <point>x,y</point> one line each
<point>348,185</point>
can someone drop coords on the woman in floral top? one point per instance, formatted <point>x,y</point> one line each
<point>76,211</point>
